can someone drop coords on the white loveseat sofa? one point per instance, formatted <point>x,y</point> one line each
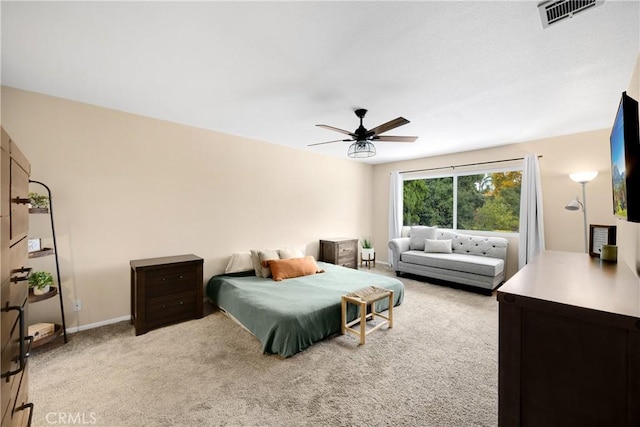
<point>450,256</point>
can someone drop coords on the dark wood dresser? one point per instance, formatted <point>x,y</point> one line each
<point>569,351</point>
<point>339,251</point>
<point>15,170</point>
<point>165,290</point>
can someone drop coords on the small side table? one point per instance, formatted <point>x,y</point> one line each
<point>368,261</point>
<point>364,298</point>
<point>340,251</point>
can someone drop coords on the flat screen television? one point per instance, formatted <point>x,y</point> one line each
<point>625,160</point>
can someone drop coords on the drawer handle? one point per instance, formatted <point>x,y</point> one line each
<point>171,305</point>
<point>21,201</point>
<point>21,270</point>
<point>22,358</point>
<point>22,408</point>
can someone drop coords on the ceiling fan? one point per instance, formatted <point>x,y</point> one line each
<point>362,138</point>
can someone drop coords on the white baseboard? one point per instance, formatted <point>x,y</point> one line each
<point>97,324</point>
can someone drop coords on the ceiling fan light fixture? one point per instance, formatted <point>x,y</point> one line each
<point>361,149</point>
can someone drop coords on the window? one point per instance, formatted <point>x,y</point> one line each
<point>487,201</point>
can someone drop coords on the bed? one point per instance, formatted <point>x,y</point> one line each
<point>291,315</point>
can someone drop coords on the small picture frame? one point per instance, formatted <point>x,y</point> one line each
<point>600,235</point>
<point>34,245</point>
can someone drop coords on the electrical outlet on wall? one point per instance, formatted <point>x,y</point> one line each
<point>77,305</point>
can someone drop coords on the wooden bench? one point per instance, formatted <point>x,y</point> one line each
<point>364,298</point>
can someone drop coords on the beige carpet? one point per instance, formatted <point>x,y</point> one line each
<point>436,367</point>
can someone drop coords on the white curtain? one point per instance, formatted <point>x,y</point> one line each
<point>531,219</point>
<point>395,208</point>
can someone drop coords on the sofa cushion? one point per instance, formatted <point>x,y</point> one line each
<point>437,246</point>
<point>418,234</point>
<point>475,264</point>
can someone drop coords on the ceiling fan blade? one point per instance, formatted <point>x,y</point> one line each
<point>346,132</point>
<point>387,126</point>
<point>389,138</point>
<point>328,142</point>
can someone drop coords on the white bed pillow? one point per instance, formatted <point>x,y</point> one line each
<point>418,234</point>
<point>264,256</point>
<point>437,246</point>
<point>256,261</point>
<point>287,253</point>
<point>240,261</point>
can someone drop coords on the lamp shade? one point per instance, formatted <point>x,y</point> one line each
<point>582,177</point>
<point>573,205</point>
<point>361,149</point>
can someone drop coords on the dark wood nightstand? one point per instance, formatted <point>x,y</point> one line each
<point>165,290</point>
<point>339,251</point>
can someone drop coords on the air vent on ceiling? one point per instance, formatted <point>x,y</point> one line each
<point>553,12</point>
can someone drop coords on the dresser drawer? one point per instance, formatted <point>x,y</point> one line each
<point>19,270</point>
<point>20,412</point>
<point>348,264</point>
<point>5,266</point>
<point>8,319</point>
<point>19,199</point>
<point>169,308</point>
<point>5,178</point>
<point>10,361</point>
<point>169,280</point>
<point>346,253</point>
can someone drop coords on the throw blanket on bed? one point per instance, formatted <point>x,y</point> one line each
<point>291,315</point>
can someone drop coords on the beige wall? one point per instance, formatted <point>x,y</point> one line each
<point>128,187</point>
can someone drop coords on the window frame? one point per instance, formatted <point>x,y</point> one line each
<point>412,176</point>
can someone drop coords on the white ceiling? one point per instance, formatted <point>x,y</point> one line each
<point>467,74</point>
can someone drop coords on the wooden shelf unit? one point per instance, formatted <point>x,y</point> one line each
<point>57,332</point>
<point>53,291</point>
<point>42,252</point>
<point>61,327</point>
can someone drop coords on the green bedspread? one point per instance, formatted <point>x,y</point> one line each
<point>291,315</point>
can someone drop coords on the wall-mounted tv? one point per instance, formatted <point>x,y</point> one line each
<point>625,160</point>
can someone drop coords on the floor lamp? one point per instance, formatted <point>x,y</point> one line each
<point>582,178</point>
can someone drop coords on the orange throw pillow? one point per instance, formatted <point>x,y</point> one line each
<point>293,267</point>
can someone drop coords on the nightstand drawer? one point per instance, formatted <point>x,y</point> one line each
<point>346,254</point>
<point>169,280</point>
<point>348,264</point>
<point>169,307</point>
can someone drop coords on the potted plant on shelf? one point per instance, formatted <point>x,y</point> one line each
<point>38,201</point>
<point>368,252</point>
<point>40,281</point>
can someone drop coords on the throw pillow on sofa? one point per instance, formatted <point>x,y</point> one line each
<point>437,246</point>
<point>418,234</point>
